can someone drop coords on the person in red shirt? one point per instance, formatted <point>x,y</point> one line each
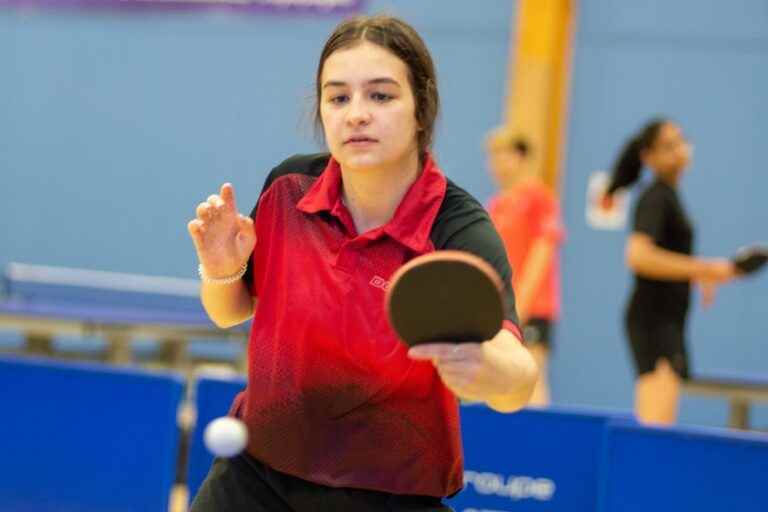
<point>340,414</point>
<point>527,215</point>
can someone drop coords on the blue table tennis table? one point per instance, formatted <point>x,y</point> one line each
<point>44,301</point>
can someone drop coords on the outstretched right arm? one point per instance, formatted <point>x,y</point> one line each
<point>224,240</point>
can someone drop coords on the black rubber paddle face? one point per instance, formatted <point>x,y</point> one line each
<point>445,301</point>
<point>751,259</point>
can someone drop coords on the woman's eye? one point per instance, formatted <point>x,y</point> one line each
<point>380,96</point>
<point>341,98</point>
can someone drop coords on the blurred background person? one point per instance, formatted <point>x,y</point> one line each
<point>659,253</point>
<point>526,213</point>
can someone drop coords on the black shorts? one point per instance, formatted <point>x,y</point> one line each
<point>538,330</point>
<point>243,484</point>
<point>654,337</point>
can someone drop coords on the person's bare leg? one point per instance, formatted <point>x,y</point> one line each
<point>540,396</point>
<point>657,395</point>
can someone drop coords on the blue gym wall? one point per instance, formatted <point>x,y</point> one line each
<point>114,126</point>
<point>705,64</point>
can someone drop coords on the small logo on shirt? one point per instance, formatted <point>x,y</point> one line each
<point>379,282</point>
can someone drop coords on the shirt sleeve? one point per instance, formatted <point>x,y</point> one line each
<point>481,239</point>
<point>308,164</point>
<point>248,276</point>
<point>249,271</point>
<point>650,214</point>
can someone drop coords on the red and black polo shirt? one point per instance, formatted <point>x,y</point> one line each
<point>332,396</point>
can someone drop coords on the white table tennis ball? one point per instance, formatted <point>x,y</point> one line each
<point>225,436</point>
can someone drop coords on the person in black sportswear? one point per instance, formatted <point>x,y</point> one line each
<point>340,414</point>
<point>659,252</point>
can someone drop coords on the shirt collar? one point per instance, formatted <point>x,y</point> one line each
<point>412,222</point>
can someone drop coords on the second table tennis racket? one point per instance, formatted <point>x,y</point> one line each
<point>750,259</point>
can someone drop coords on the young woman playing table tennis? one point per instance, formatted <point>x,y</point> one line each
<point>659,252</point>
<point>340,415</point>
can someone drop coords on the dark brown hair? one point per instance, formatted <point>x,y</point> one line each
<point>404,42</point>
<point>520,146</point>
<point>628,164</point>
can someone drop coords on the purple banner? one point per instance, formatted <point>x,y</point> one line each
<point>242,6</point>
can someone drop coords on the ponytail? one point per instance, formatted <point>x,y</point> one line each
<point>628,165</point>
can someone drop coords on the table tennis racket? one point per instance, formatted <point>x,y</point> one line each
<point>445,296</point>
<point>750,259</point>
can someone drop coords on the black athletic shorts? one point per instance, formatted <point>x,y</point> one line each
<point>538,330</point>
<point>243,484</point>
<point>653,337</point>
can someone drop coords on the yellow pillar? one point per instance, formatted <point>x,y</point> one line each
<point>537,94</point>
